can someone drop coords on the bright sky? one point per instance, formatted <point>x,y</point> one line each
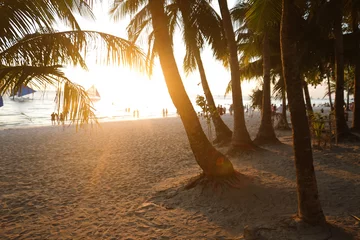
<point>121,83</point>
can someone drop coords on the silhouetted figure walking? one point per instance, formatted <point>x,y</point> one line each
<point>53,119</point>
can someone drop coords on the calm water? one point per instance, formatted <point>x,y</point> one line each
<point>35,109</point>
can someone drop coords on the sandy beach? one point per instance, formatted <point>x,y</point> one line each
<point>125,181</point>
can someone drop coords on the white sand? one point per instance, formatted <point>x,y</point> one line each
<point>125,181</point>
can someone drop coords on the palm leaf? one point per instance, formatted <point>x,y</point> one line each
<point>71,99</point>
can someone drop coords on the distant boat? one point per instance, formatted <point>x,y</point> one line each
<point>93,93</point>
<point>24,90</point>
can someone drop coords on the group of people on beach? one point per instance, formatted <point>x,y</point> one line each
<point>165,112</point>
<point>57,118</point>
<point>221,110</point>
<point>136,113</point>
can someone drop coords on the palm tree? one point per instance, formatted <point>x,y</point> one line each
<point>241,138</point>
<point>356,113</point>
<point>309,207</point>
<point>280,93</point>
<point>193,17</point>
<point>342,128</point>
<point>193,31</point>
<point>30,55</point>
<point>266,133</point>
<point>307,98</point>
<point>212,162</point>
<point>259,24</point>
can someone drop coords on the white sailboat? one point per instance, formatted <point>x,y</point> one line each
<point>93,93</point>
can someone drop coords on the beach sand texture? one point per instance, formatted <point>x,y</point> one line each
<point>125,181</point>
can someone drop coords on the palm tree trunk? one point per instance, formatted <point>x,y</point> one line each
<point>309,207</point>
<point>356,109</point>
<point>212,162</point>
<point>284,109</point>
<point>283,123</point>
<point>241,138</point>
<point>223,133</point>
<point>266,133</point>
<point>342,128</point>
<point>329,91</point>
<point>307,99</point>
<point>347,98</point>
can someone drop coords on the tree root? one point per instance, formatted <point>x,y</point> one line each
<point>235,180</point>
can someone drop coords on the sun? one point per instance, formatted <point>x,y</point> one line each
<point>120,88</point>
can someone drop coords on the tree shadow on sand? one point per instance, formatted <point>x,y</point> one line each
<point>254,209</point>
<point>266,198</point>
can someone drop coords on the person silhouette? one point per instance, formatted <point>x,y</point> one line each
<point>53,118</point>
<point>62,120</point>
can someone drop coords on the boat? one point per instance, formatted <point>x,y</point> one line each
<point>24,90</point>
<point>93,93</point>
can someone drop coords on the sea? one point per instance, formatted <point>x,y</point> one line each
<point>35,109</point>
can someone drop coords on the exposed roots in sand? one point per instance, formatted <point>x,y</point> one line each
<point>217,183</point>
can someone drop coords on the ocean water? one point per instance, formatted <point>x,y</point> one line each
<point>35,109</point>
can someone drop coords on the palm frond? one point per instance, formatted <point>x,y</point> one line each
<point>123,8</point>
<point>71,99</point>
<point>22,17</point>
<point>263,13</point>
<point>66,48</point>
<point>251,70</point>
<point>140,22</point>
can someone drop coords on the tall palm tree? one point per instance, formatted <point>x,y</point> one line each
<point>212,162</point>
<point>266,133</point>
<point>241,138</point>
<point>280,93</point>
<point>193,17</point>
<point>193,35</point>
<point>260,24</point>
<point>309,207</point>
<point>342,128</point>
<point>307,98</point>
<point>33,55</point>
<point>356,113</point>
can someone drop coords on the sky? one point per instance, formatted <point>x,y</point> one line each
<point>120,81</point>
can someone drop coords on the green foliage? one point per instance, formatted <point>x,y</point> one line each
<point>206,109</point>
<point>256,98</point>
<point>33,53</point>
<point>318,124</point>
<point>207,112</point>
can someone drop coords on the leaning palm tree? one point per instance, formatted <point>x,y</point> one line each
<point>212,162</point>
<point>241,139</point>
<point>35,56</point>
<point>195,33</point>
<point>193,17</point>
